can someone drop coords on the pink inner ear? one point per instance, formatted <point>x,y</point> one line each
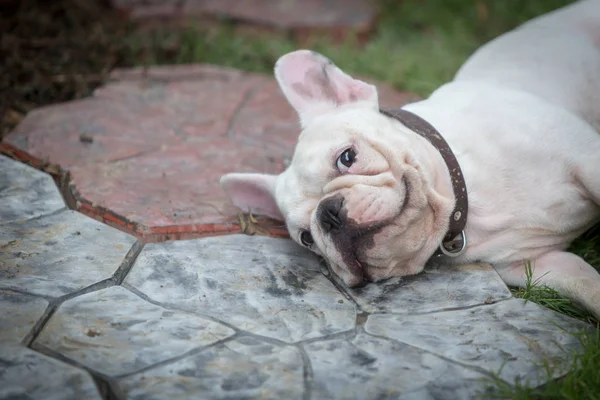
<point>252,192</point>
<point>313,84</point>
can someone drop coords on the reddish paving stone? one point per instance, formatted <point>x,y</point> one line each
<point>175,190</point>
<point>281,14</point>
<point>128,118</point>
<point>146,152</point>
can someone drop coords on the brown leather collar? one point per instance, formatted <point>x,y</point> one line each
<point>455,240</point>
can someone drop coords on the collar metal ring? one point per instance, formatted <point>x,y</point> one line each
<point>455,252</point>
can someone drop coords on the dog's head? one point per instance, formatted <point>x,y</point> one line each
<point>362,190</point>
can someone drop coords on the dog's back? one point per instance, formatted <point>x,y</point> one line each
<point>555,56</point>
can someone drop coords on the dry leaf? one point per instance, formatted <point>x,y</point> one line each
<point>252,219</point>
<point>52,169</point>
<point>242,220</point>
<point>249,225</point>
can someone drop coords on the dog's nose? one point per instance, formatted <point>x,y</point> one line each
<point>328,214</point>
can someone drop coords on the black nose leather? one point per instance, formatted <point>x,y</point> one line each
<point>328,214</point>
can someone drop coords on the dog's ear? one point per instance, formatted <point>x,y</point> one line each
<point>252,192</point>
<point>314,85</point>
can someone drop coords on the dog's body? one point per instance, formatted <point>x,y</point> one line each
<point>522,117</point>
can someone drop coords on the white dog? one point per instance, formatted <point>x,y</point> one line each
<point>377,194</point>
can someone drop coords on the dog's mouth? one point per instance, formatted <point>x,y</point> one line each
<point>355,241</point>
<point>358,239</point>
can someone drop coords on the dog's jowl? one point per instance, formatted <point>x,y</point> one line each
<point>500,165</point>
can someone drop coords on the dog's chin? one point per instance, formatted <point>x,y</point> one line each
<point>377,256</point>
<point>349,276</point>
<point>361,273</point>
<point>354,268</point>
<point>365,274</point>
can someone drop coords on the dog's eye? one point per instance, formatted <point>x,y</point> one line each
<point>346,159</point>
<point>306,238</point>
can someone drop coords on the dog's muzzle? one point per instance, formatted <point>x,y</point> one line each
<point>332,218</point>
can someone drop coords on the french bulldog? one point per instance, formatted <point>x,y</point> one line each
<point>374,197</point>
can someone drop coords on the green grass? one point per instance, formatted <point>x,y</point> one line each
<point>587,246</point>
<point>417,46</point>
<point>550,298</point>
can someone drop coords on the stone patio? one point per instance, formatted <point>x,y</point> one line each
<point>90,311</point>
